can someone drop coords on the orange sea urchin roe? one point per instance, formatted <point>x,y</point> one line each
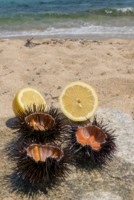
<point>80,138</point>
<point>91,135</point>
<point>36,153</point>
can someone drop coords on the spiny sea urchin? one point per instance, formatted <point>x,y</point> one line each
<point>42,165</point>
<point>40,126</point>
<point>94,142</point>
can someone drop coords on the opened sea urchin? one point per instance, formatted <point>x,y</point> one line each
<point>95,142</point>
<point>38,126</point>
<point>42,165</point>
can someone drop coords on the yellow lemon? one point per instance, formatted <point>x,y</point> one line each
<point>78,101</point>
<point>26,97</point>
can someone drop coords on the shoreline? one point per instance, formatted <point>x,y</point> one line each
<point>71,36</point>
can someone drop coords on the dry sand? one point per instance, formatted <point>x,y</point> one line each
<point>107,65</point>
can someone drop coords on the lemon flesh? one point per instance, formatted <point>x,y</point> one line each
<point>78,101</point>
<point>27,97</point>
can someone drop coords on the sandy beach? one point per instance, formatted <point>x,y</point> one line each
<point>49,64</point>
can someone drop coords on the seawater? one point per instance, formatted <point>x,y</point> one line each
<point>111,18</point>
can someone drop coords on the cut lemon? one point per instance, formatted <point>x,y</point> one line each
<point>26,97</point>
<point>78,101</point>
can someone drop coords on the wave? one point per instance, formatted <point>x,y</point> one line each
<point>128,11</point>
<point>83,30</point>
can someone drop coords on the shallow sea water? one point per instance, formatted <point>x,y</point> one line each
<point>63,17</point>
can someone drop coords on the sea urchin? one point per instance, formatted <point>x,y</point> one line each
<point>42,165</point>
<point>40,126</point>
<point>93,142</point>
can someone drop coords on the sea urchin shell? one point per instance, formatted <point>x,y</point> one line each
<point>39,121</point>
<point>93,142</point>
<point>42,152</point>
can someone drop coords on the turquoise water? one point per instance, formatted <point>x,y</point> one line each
<point>64,17</point>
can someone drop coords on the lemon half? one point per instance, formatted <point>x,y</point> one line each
<point>26,97</point>
<point>78,101</point>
